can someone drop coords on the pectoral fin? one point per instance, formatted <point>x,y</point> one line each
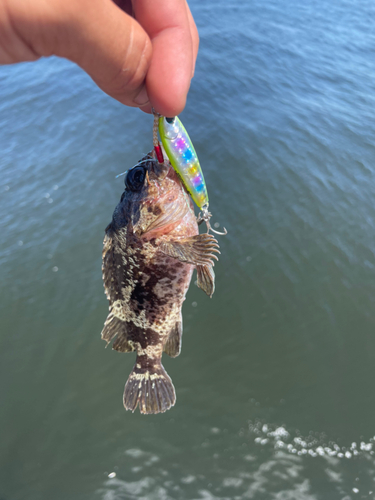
<point>206,279</point>
<point>197,250</point>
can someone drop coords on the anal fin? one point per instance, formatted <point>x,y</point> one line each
<point>206,279</point>
<point>116,327</point>
<point>198,250</point>
<point>173,345</point>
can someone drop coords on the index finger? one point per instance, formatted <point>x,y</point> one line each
<point>168,78</point>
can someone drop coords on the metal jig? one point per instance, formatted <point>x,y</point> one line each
<point>183,158</point>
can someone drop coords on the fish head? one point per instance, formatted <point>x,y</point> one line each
<point>154,201</point>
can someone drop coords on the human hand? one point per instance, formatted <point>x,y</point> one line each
<point>144,62</point>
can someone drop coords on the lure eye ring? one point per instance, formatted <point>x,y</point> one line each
<point>171,127</point>
<point>135,178</point>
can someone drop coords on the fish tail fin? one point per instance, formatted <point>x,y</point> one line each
<point>150,387</point>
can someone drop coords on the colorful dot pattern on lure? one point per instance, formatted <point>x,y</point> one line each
<point>184,159</point>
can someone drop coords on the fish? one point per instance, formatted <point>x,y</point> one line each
<point>184,159</point>
<point>150,250</point>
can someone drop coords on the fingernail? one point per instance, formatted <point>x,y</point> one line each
<point>142,97</point>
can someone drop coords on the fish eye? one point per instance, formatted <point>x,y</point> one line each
<point>135,178</point>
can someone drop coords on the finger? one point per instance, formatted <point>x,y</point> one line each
<point>125,5</point>
<point>117,52</point>
<point>13,48</point>
<point>97,35</point>
<point>194,36</point>
<point>171,67</point>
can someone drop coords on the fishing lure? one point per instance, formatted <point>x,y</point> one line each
<point>181,153</point>
<point>184,159</point>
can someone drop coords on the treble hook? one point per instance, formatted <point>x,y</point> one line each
<point>205,216</point>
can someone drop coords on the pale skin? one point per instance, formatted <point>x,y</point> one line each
<point>140,52</point>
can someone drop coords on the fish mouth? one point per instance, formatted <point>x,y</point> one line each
<point>162,181</point>
<point>171,171</point>
<point>164,184</point>
<point>162,171</point>
<point>171,194</point>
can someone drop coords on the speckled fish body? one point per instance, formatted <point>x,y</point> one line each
<point>151,248</point>
<point>182,155</point>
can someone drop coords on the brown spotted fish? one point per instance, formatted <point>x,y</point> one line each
<point>151,248</point>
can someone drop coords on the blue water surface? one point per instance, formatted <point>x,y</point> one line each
<point>274,384</point>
